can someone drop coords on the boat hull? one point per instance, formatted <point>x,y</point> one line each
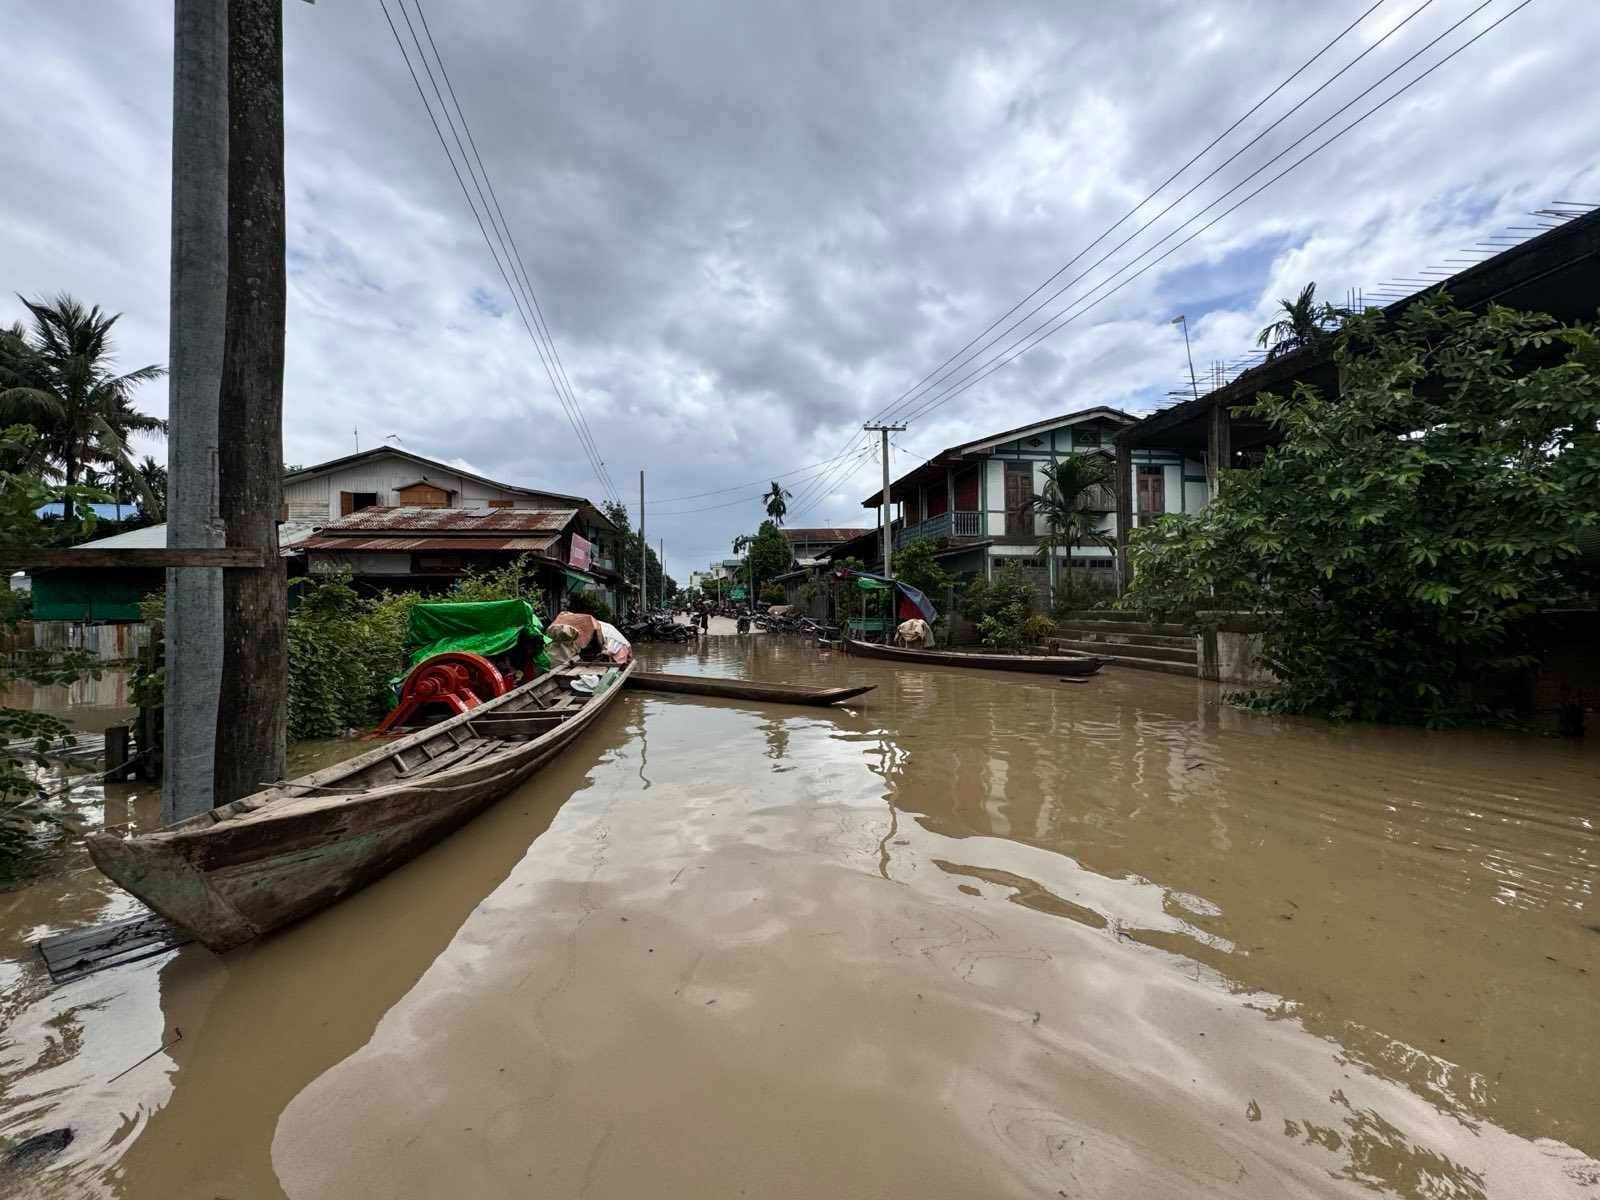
<point>227,881</point>
<point>743,689</point>
<point>1041,664</point>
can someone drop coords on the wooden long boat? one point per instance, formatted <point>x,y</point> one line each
<point>236,872</point>
<point>743,689</point>
<point>1038,664</point>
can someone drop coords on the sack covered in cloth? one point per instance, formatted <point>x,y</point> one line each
<point>916,633</point>
<point>597,637</point>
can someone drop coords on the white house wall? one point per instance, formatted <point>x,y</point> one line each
<point>317,498</point>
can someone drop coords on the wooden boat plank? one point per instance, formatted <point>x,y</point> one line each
<point>1039,664</point>
<point>73,955</point>
<point>743,689</point>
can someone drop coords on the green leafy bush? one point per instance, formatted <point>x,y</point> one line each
<point>1010,588</point>
<point>1398,539</point>
<point>1036,630</point>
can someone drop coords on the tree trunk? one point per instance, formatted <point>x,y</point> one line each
<point>251,716</point>
<point>69,477</point>
<point>198,303</point>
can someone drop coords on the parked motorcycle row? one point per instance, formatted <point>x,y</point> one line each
<point>659,627</point>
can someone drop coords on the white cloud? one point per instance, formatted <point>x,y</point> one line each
<point>750,231</point>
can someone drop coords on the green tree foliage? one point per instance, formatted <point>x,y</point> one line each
<point>1303,321</point>
<point>1398,538</point>
<point>1000,607</point>
<point>914,564</point>
<point>57,378</point>
<point>26,735</point>
<point>777,502</point>
<point>766,551</point>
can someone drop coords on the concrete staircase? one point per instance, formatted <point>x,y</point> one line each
<point>1130,641</point>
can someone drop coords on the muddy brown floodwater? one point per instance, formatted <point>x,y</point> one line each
<point>985,935</point>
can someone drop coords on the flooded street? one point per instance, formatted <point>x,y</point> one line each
<point>984,935</point>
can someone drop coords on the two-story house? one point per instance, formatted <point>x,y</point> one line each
<point>391,518</point>
<point>972,499</point>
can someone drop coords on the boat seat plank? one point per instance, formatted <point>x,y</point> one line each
<point>444,761</point>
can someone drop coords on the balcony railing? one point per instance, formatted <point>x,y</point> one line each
<point>945,525</point>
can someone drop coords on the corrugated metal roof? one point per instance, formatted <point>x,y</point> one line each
<point>452,520</point>
<point>823,535</point>
<point>151,537</point>
<point>363,545</point>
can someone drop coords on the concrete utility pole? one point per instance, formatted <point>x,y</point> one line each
<point>644,552</point>
<point>199,291</point>
<point>888,531</point>
<point>661,557</point>
<point>253,701</point>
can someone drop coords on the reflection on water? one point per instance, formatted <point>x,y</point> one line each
<point>981,934</point>
<point>89,703</point>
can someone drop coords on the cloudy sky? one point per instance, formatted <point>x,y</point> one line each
<point>753,225</point>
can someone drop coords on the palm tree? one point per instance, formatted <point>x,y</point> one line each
<point>153,486</point>
<point>777,502</point>
<point>65,389</point>
<point>1074,501</point>
<point>1303,322</point>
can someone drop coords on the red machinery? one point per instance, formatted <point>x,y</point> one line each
<point>458,680</point>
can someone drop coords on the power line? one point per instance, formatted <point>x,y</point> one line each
<point>911,392</point>
<point>572,419</point>
<point>819,490</point>
<point>752,483</point>
<point>526,279</point>
<point>860,454</point>
<point>1230,159</point>
<point>1056,323</point>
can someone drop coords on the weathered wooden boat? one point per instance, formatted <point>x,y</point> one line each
<point>1038,664</point>
<point>229,875</point>
<point>743,689</point>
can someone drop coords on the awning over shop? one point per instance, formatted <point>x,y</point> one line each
<point>578,582</point>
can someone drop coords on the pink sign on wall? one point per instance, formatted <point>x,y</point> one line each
<point>580,553</point>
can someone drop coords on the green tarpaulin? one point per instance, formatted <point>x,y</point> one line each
<point>486,627</point>
<point>576,582</point>
<point>871,585</point>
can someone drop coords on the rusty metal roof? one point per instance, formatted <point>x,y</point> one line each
<point>471,521</point>
<point>822,535</point>
<point>362,545</point>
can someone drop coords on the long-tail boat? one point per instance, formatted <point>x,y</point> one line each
<point>238,871</point>
<point>1038,664</point>
<point>744,689</point>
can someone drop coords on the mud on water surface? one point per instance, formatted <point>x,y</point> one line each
<point>982,936</point>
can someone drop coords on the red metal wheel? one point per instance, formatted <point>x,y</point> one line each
<point>458,680</point>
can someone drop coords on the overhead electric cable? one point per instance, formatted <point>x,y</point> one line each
<point>1215,171</point>
<point>813,494</point>
<point>1110,229</point>
<point>515,253</point>
<point>1056,323</point>
<point>489,242</point>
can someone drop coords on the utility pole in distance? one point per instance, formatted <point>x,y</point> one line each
<point>885,431</point>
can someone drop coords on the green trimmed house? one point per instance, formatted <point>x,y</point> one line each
<point>100,595</point>
<point>971,499</point>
